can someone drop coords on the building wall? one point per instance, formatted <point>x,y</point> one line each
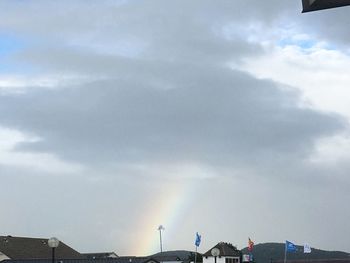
<point>3,256</point>
<point>218,259</point>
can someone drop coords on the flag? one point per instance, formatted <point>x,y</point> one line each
<point>250,244</point>
<point>290,247</point>
<point>307,248</point>
<point>197,242</point>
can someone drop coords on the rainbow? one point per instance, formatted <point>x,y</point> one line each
<point>166,210</point>
<point>169,206</point>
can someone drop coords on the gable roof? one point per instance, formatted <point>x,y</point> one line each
<point>101,260</point>
<point>226,249</point>
<point>34,248</point>
<point>100,255</point>
<point>133,259</point>
<point>331,260</point>
<point>166,258</point>
<point>175,255</point>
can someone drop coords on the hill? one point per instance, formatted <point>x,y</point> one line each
<point>267,252</point>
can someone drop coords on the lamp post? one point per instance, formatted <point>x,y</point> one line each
<point>53,243</point>
<point>160,228</point>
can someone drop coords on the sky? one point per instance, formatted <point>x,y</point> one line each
<point>230,118</point>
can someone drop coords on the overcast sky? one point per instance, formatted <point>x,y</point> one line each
<point>230,118</point>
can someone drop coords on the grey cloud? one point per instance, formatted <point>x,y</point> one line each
<point>163,30</point>
<point>175,100</point>
<point>69,18</point>
<point>137,107</point>
<point>212,114</point>
<point>74,208</point>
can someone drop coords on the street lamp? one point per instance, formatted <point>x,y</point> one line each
<point>160,228</point>
<point>53,243</point>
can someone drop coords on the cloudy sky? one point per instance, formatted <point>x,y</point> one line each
<point>230,118</point>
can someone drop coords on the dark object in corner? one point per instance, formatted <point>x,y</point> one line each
<point>315,5</point>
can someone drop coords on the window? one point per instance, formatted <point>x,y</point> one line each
<point>231,260</point>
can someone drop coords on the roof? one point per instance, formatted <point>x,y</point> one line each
<point>175,255</point>
<point>100,255</point>
<point>339,260</point>
<point>314,5</point>
<point>133,259</point>
<point>34,248</point>
<point>166,258</point>
<point>226,249</point>
<point>101,260</point>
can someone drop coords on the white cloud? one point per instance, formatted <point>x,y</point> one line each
<point>9,156</point>
<point>13,83</point>
<point>321,75</point>
<point>318,72</point>
<point>332,151</point>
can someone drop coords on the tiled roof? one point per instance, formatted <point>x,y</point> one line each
<point>132,259</point>
<point>100,255</point>
<point>173,255</point>
<point>166,258</point>
<point>101,260</point>
<point>340,260</point>
<point>34,248</point>
<point>226,249</point>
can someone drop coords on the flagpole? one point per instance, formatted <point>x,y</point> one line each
<point>285,252</point>
<point>195,256</point>
<point>197,242</point>
<point>250,249</point>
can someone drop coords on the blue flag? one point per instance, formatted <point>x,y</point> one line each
<point>290,247</point>
<point>197,242</point>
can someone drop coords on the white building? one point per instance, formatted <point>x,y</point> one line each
<point>227,254</point>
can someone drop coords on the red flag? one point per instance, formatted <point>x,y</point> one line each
<point>250,244</point>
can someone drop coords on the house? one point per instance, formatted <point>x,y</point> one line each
<point>168,259</point>
<point>227,254</point>
<point>101,260</point>
<point>17,248</point>
<point>177,256</point>
<point>133,259</point>
<point>100,255</point>
<point>335,260</point>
